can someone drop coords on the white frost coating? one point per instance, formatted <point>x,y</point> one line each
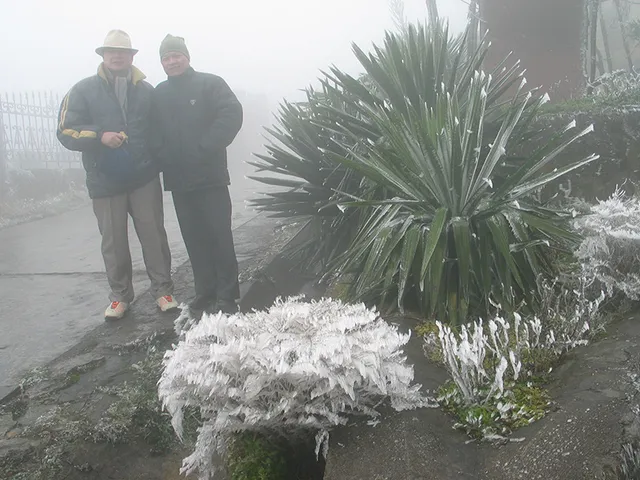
<point>611,242</point>
<point>485,359</point>
<point>545,99</point>
<point>297,368</point>
<point>571,125</point>
<point>587,130</point>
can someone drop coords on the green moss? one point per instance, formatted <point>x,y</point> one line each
<point>429,331</point>
<point>533,400</point>
<point>529,401</point>
<point>137,412</point>
<point>426,328</point>
<point>539,361</point>
<point>72,379</point>
<point>254,457</point>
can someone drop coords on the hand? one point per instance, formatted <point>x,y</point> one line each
<point>112,139</point>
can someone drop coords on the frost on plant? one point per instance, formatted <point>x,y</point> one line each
<point>486,361</point>
<point>184,322</point>
<point>296,368</point>
<point>617,88</point>
<point>495,366</point>
<point>610,250</point>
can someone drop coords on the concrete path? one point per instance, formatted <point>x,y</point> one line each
<point>53,288</point>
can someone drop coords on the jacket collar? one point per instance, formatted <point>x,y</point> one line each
<point>188,73</point>
<point>136,74</point>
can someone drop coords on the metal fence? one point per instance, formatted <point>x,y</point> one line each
<point>28,123</point>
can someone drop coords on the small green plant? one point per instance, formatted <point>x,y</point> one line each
<point>254,457</point>
<point>428,327</point>
<point>523,403</point>
<point>499,367</point>
<point>428,330</point>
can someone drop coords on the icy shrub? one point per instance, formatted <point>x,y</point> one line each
<point>295,369</point>
<point>629,468</point>
<point>610,250</point>
<point>617,88</point>
<point>496,366</point>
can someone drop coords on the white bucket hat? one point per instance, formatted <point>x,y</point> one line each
<point>116,40</point>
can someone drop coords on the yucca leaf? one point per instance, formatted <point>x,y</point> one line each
<point>407,257</point>
<point>410,176</point>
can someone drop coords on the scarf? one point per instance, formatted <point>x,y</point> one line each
<point>120,86</point>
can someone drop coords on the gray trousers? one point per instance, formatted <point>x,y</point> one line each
<point>147,211</point>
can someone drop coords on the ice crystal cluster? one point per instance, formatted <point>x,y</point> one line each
<point>618,87</point>
<point>296,368</point>
<point>610,250</point>
<point>492,363</point>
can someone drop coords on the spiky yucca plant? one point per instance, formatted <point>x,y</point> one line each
<point>412,171</point>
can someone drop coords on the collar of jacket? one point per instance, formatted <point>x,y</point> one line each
<point>136,74</point>
<point>188,73</point>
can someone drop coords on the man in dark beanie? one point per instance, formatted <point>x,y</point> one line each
<point>196,117</point>
<point>106,117</point>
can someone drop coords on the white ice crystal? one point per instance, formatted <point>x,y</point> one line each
<point>296,368</point>
<point>610,250</point>
<point>486,359</point>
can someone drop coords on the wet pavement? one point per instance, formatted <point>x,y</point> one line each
<point>53,286</point>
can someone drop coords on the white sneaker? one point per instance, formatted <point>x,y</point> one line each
<point>167,303</point>
<point>116,310</point>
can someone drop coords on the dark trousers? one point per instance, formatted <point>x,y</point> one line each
<point>204,216</point>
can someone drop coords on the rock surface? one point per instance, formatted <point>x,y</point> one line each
<point>594,396</point>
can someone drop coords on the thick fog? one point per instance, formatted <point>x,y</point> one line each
<point>274,47</point>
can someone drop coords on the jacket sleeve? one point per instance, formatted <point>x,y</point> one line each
<point>75,130</point>
<point>227,120</point>
<point>156,140</point>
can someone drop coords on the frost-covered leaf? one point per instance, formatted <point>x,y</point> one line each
<point>295,368</point>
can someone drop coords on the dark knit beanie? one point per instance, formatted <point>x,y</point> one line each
<point>173,44</point>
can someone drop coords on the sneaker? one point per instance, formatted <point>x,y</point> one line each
<point>167,304</point>
<point>116,310</point>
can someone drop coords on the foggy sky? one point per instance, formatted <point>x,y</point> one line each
<point>263,46</point>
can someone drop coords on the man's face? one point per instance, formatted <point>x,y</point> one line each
<point>175,64</point>
<point>118,61</point>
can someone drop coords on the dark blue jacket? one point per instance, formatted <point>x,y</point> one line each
<point>195,117</point>
<point>90,109</point>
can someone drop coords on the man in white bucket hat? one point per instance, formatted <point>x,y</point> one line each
<point>106,117</point>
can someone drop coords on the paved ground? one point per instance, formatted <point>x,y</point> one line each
<point>53,289</point>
